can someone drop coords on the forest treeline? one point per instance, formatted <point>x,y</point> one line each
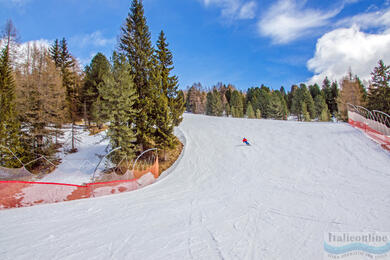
<point>133,93</point>
<point>306,103</point>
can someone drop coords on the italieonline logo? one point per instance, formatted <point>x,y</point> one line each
<point>357,245</point>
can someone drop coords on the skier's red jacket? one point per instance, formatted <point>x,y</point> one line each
<point>244,140</point>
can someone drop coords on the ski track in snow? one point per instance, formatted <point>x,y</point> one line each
<point>272,200</point>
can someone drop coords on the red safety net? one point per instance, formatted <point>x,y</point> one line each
<point>15,194</point>
<point>367,126</point>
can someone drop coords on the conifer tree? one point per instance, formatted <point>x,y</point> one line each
<point>118,98</point>
<point>379,92</point>
<point>42,100</point>
<point>9,124</point>
<point>94,77</point>
<point>321,108</point>
<point>209,101</point>
<point>314,90</point>
<point>305,113</point>
<point>227,110</point>
<point>237,104</point>
<point>302,95</point>
<point>136,44</point>
<point>169,83</point>
<point>350,93</point>
<point>249,111</point>
<point>178,108</point>
<point>55,53</point>
<point>258,113</point>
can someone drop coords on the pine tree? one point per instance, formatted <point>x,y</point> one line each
<point>302,95</point>
<point>379,92</point>
<point>118,98</point>
<point>249,111</point>
<point>305,113</point>
<point>258,113</point>
<point>227,110</point>
<point>136,44</point>
<point>169,83</point>
<point>9,124</point>
<point>321,108</point>
<point>237,104</point>
<point>314,90</point>
<point>178,108</point>
<point>55,53</point>
<point>209,102</point>
<point>330,93</point>
<point>94,77</point>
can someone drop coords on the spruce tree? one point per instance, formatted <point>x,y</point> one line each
<point>169,83</point>
<point>9,124</point>
<point>237,104</point>
<point>322,112</point>
<point>209,102</point>
<point>379,92</point>
<point>227,110</point>
<point>118,98</point>
<point>249,111</point>
<point>94,77</point>
<point>305,113</point>
<point>55,53</point>
<point>258,114</point>
<point>178,108</point>
<point>136,44</point>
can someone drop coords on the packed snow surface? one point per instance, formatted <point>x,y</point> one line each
<point>223,200</point>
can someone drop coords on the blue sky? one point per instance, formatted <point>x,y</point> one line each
<point>243,42</point>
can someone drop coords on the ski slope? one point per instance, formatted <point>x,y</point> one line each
<point>222,200</point>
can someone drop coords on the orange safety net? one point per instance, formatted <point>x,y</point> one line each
<point>15,194</point>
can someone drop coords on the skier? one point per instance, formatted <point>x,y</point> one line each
<point>245,141</point>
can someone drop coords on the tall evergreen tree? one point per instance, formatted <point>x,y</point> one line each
<point>249,111</point>
<point>94,77</point>
<point>118,98</point>
<point>9,124</point>
<point>302,95</point>
<point>321,108</point>
<point>55,53</point>
<point>314,90</point>
<point>258,113</point>
<point>237,104</point>
<point>136,44</point>
<point>379,92</point>
<point>169,83</point>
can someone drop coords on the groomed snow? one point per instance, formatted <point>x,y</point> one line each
<point>223,200</point>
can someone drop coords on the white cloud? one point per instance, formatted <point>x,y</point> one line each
<point>378,19</point>
<point>94,39</point>
<point>248,10</point>
<point>348,48</point>
<point>234,9</point>
<point>286,20</point>
<point>18,3</point>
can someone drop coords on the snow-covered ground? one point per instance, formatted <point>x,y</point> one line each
<point>272,200</point>
<point>78,168</point>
